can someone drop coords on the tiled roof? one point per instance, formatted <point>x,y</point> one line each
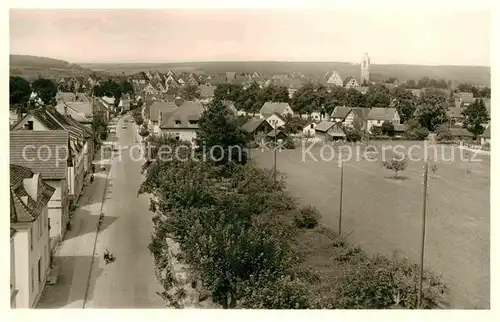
<point>340,112</point>
<point>324,126</point>
<point>72,97</point>
<point>206,91</point>
<point>18,173</point>
<point>251,125</point>
<point>29,209</point>
<point>460,132</point>
<point>166,108</point>
<point>273,107</point>
<point>77,110</point>
<point>187,112</point>
<point>12,232</point>
<point>51,162</point>
<point>455,112</point>
<point>383,114</point>
<point>487,132</point>
<point>361,112</point>
<point>466,97</point>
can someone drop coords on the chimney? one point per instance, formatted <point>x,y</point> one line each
<point>178,101</point>
<point>31,186</point>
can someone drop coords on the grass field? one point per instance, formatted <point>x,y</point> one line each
<point>382,214</point>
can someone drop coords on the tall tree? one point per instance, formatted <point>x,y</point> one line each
<point>45,89</point>
<point>475,115</point>
<point>190,92</point>
<point>20,91</point>
<point>220,136</point>
<point>378,96</point>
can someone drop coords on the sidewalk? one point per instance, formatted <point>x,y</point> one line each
<point>73,256</point>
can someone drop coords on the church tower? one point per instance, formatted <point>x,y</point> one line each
<point>365,70</point>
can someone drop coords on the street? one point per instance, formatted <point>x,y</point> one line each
<point>129,281</point>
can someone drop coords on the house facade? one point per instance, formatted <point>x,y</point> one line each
<point>333,78</point>
<point>276,120</point>
<point>46,153</point>
<point>270,108</point>
<point>81,147</point>
<point>29,197</point>
<point>13,285</point>
<point>378,116</point>
<point>182,123</point>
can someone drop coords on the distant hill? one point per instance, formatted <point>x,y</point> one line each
<point>461,74</point>
<point>31,67</point>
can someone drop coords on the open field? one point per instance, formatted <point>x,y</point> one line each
<point>461,74</point>
<point>381,214</point>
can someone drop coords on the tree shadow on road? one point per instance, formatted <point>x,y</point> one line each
<point>69,292</point>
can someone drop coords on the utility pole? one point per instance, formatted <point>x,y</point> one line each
<point>275,122</point>
<point>341,195</point>
<point>422,245</point>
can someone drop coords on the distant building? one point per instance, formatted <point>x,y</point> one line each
<point>333,78</point>
<point>270,108</point>
<point>365,70</point>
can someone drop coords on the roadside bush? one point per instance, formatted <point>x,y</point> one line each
<point>443,134</point>
<point>396,164</point>
<point>415,131</point>
<point>289,144</point>
<point>308,217</point>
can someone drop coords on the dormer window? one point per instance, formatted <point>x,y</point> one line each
<point>193,122</point>
<point>177,122</point>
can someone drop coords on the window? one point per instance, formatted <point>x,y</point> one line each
<point>31,237</point>
<point>39,271</point>
<point>193,122</point>
<point>32,280</point>
<point>29,126</point>
<point>177,122</point>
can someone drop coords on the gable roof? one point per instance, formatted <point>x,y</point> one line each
<point>458,131</point>
<point>454,112</point>
<point>340,112</point>
<point>72,97</point>
<point>251,125</point>
<point>324,126</point>
<point>80,111</point>
<point>383,114</point>
<point>273,107</point>
<point>361,112</point>
<point>466,97</point>
<point>27,210</point>
<point>51,161</point>
<point>161,107</point>
<point>206,91</point>
<point>187,112</point>
<point>487,132</point>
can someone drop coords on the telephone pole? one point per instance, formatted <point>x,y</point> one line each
<point>275,122</point>
<point>341,195</point>
<point>422,245</point>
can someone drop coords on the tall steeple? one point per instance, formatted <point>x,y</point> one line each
<point>365,70</point>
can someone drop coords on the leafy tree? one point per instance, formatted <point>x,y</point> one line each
<point>294,124</point>
<point>378,96</point>
<point>99,128</point>
<point>443,133</point>
<point>127,88</point>
<point>45,89</point>
<point>274,93</point>
<point>20,91</point>
<point>190,92</point>
<point>475,115</point>
<point>144,131</point>
<point>387,128</point>
<point>415,131</point>
<point>485,92</point>
<point>396,164</point>
<point>432,109</point>
<point>376,130</point>
<point>109,88</point>
<point>355,98</point>
<point>220,135</point>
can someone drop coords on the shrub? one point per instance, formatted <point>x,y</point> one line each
<point>307,217</point>
<point>387,128</point>
<point>396,164</point>
<point>414,131</point>
<point>289,144</point>
<point>443,133</point>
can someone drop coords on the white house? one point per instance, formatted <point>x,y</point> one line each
<point>276,120</point>
<point>378,116</point>
<point>350,82</point>
<point>183,122</point>
<point>158,111</point>
<point>26,151</point>
<point>270,108</point>
<point>309,130</point>
<point>29,198</point>
<point>333,78</point>
<point>13,285</point>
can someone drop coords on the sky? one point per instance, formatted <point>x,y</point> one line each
<point>154,36</point>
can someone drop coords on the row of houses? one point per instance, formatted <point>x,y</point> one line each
<point>51,153</point>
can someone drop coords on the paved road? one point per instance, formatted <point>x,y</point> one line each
<point>129,282</point>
